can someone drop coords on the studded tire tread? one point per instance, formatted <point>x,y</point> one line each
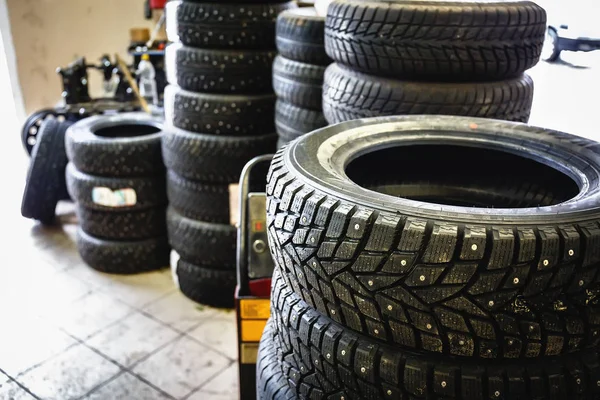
<point>201,201</point>
<point>123,257</point>
<point>219,71</point>
<point>206,285</point>
<point>202,243</point>
<point>123,225</point>
<point>150,191</point>
<point>465,289</point>
<point>233,115</point>
<point>213,158</point>
<point>222,25</point>
<point>322,359</point>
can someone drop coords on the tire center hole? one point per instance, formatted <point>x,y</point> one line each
<point>461,176</point>
<point>132,130</point>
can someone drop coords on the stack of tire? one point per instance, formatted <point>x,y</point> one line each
<point>386,288</point>
<point>464,58</point>
<point>117,179</point>
<point>219,108</point>
<point>298,73</point>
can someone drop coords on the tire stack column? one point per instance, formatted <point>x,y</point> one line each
<point>298,73</point>
<point>463,58</point>
<point>219,109</point>
<point>117,179</point>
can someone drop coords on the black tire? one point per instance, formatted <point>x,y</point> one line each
<point>461,40</point>
<point>124,225</point>
<point>211,158</point>
<point>202,243</point>
<point>45,184</point>
<point>292,122</point>
<point>236,115</point>
<point>223,26</point>
<point>198,200</point>
<point>121,145</point>
<point>219,71</point>
<point>150,192</point>
<point>213,287</point>
<point>430,274</point>
<point>298,83</point>
<point>32,126</point>
<point>123,257</point>
<point>300,36</point>
<point>349,95</point>
<point>271,384</point>
<point>318,355</point>
<point>554,54</point>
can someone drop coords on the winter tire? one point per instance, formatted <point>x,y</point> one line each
<point>121,145</point>
<point>466,40</point>
<point>448,257</point>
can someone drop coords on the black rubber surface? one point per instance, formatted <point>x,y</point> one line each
<point>271,384</point>
<point>198,200</point>
<point>292,122</point>
<point>202,243</point>
<point>466,40</point>
<point>150,191</point>
<point>349,95</point>
<point>214,287</point>
<point>222,25</point>
<point>219,71</point>
<point>462,280</point>
<point>123,257</point>
<point>120,145</point>
<point>45,184</point>
<point>300,36</point>
<point>236,115</point>
<point>321,359</point>
<point>123,225</point>
<point>212,158</point>
<point>298,83</point>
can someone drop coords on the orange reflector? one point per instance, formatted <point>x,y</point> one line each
<point>252,330</point>
<point>255,309</point>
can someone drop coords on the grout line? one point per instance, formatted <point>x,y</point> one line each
<point>209,380</point>
<point>210,347</point>
<point>101,384</point>
<point>11,379</point>
<point>127,369</point>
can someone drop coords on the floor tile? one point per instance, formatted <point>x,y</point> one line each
<point>70,374</point>
<point>178,311</point>
<point>141,289</point>
<point>29,341</point>
<point>46,292</point>
<point>132,339</point>
<point>126,387</point>
<point>12,391</point>
<point>222,387</point>
<point>88,315</point>
<point>219,333</point>
<point>181,367</point>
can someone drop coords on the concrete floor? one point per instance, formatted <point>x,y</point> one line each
<point>69,332</point>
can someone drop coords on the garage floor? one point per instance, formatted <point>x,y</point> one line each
<point>68,332</point>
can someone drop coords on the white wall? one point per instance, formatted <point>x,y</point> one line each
<point>50,33</point>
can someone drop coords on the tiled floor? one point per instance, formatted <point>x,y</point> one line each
<point>70,332</point>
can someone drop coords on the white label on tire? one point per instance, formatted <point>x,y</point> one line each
<point>114,198</point>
